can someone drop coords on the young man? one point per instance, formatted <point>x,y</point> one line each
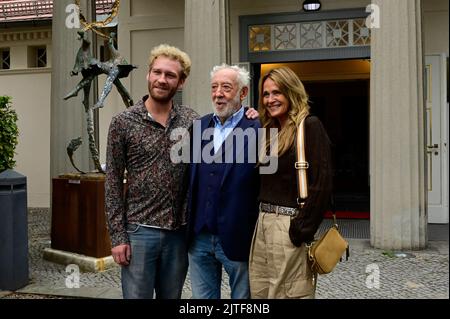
<point>224,184</point>
<point>146,224</point>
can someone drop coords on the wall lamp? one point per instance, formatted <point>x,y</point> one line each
<point>309,5</point>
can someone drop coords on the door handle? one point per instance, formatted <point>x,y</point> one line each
<point>434,147</point>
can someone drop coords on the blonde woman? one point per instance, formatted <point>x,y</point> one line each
<point>279,266</point>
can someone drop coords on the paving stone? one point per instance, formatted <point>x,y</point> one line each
<point>368,274</point>
<point>4,293</point>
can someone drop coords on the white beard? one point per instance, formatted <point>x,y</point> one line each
<point>229,109</point>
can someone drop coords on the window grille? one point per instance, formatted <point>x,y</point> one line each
<point>5,59</point>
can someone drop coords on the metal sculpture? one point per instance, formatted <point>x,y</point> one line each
<point>115,68</point>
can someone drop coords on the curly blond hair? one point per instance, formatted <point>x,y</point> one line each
<point>173,53</point>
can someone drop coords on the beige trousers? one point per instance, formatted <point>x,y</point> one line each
<point>277,268</point>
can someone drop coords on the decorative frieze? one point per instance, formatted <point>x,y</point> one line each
<point>309,35</point>
<point>25,36</point>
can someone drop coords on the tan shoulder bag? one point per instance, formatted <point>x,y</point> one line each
<point>326,252</point>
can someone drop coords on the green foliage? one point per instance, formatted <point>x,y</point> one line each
<point>8,133</point>
<point>389,253</point>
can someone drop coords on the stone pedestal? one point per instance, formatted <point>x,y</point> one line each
<point>78,216</point>
<point>85,263</point>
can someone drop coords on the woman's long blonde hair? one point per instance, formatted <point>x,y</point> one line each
<point>292,88</point>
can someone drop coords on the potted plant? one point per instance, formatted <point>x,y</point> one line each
<point>13,205</point>
<point>8,133</point>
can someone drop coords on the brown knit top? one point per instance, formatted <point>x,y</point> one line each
<point>280,188</point>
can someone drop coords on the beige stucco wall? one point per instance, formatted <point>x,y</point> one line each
<point>251,7</point>
<point>30,92</point>
<point>143,25</point>
<point>436,19</point>
<point>436,24</point>
<point>146,23</point>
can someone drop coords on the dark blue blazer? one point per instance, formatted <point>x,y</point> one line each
<point>238,199</point>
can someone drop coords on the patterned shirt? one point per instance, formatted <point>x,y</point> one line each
<point>156,192</point>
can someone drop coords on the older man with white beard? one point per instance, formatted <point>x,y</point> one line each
<point>223,207</point>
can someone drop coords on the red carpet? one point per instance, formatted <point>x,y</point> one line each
<point>340,214</point>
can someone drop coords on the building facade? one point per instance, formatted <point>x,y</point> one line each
<point>376,72</point>
<point>25,75</point>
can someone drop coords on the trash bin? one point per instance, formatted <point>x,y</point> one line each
<point>13,231</point>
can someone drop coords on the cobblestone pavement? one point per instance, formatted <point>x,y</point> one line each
<point>44,272</point>
<point>369,273</point>
<point>32,296</point>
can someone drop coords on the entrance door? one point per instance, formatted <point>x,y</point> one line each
<point>437,138</point>
<point>339,95</point>
<point>343,108</point>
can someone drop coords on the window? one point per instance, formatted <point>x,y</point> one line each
<point>37,57</point>
<point>5,59</point>
<point>41,56</point>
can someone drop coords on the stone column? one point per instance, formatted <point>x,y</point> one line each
<point>67,117</point>
<point>206,40</point>
<point>397,135</point>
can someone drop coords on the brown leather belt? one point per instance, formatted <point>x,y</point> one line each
<point>275,209</point>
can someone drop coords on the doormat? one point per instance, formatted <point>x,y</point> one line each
<point>345,214</point>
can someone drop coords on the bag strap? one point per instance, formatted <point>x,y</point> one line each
<point>301,165</point>
<point>333,211</point>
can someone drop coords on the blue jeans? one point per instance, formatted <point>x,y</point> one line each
<point>158,263</point>
<point>206,259</point>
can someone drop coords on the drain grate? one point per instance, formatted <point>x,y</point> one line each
<point>438,232</point>
<point>360,229</point>
<point>349,228</point>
